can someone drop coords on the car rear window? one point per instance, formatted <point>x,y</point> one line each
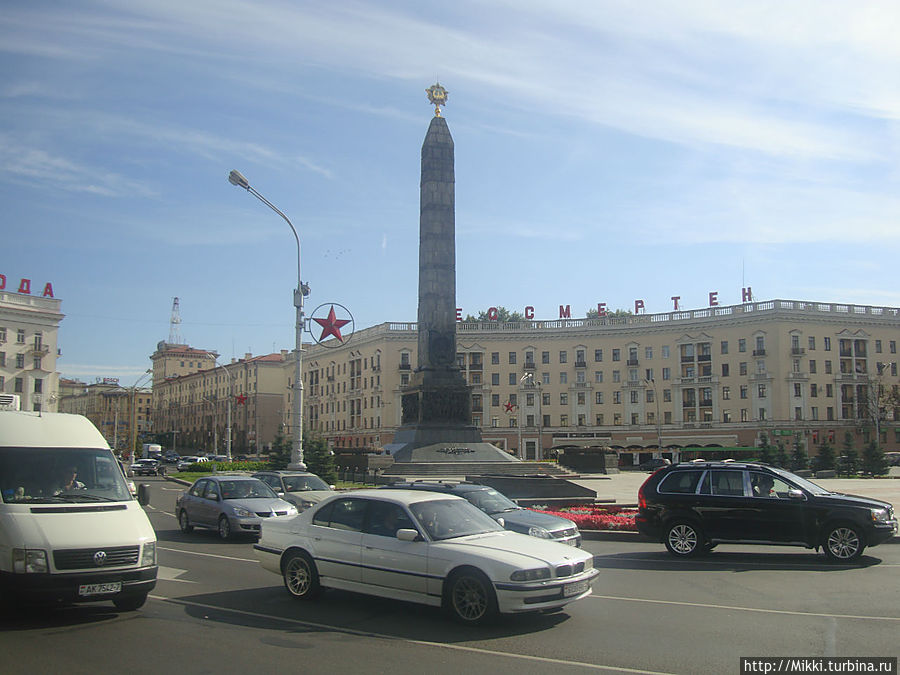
<point>680,482</point>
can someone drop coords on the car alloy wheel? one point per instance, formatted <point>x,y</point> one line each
<point>224,528</point>
<point>843,543</point>
<point>184,523</point>
<point>471,598</point>
<point>300,576</point>
<point>683,540</point>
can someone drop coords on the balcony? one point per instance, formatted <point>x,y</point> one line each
<point>583,364</point>
<point>404,366</point>
<point>38,350</point>
<point>530,365</point>
<point>476,366</point>
<point>704,357</point>
<point>706,403</point>
<point>798,351</point>
<point>759,352</point>
<point>632,362</point>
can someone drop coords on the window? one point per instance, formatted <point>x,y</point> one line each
<point>649,396</point>
<point>726,416</point>
<point>2,359</point>
<point>812,366</point>
<point>2,334</point>
<point>814,413</point>
<point>829,390</point>
<point>667,373</point>
<point>761,390</point>
<point>512,358</point>
<point>725,370</point>
<point>582,420</point>
<point>598,376</point>
<point>635,419</point>
<point>617,376</point>
<point>38,386</point>
<point>648,374</point>
<point>545,357</point>
<point>727,483</point>
<point>598,397</point>
<point>813,390</point>
<point>512,379</point>
<point>742,345</point>
<point>723,347</point>
<point>599,419</point>
<point>892,345</point>
<point>742,368</point>
<point>617,397</point>
<point>564,398</point>
<point>598,355</point>
<point>495,358</point>
<point>529,401</point>
<point>404,379</point>
<point>743,391</point>
<point>36,363</point>
<point>680,482</point>
<point>563,378</point>
<point>797,392</point>
<point>20,338</point>
<point>812,343</point>
<point>513,422</point>
<point>545,399</point>
<point>495,400</point>
<point>877,346</point>
<point>827,344</point>
<point>648,353</point>
<point>617,355</point>
<point>798,413</point>
<point>634,396</point>
<point>20,361</point>
<point>563,420</point>
<point>545,378</point>
<point>579,377</point>
<point>762,414</point>
<point>667,396</point>
<point>828,367</point>
<point>495,379</point>
<point>563,356</point>
<point>385,519</point>
<point>579,356</point>
<point>617,419</point>
<point>726,393</point>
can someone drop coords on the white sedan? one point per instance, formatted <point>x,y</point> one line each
<point>424,547</point>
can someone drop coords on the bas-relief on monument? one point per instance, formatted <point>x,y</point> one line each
<point>436,423</point>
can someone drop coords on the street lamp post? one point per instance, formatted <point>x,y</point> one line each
<point>652,383</point>
<point>134,420</point>
<point>235,178</point>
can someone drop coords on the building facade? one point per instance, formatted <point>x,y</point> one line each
<point>199,408</point>
<point>29,327</point>
<point>122,414</point>
<point>642,384</point>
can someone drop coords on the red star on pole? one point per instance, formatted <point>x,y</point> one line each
<point>509,406</point>
<point>331,325</point>
<point>241,399</point>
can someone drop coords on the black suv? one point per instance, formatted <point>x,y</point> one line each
<point>502,509</point>
<point>692,507</point>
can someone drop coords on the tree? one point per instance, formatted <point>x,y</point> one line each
<point>781,458</point>
<point>825,459</point>
<point>848,463</point>
<point>503,316</point>
<point>766,451</point>
<point>799,458</point>
<point>280,454</point>
<point>874,463</point>
<point>319,459</point>
<point>616,314</point>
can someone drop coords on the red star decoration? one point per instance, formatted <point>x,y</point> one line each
<point>509,406</point>
<point>241,399</point>
<point>331,325</point>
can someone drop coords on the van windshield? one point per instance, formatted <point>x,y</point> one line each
<point>60,475</point>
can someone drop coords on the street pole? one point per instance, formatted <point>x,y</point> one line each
<point>652,383</point>
<point>235,178</point>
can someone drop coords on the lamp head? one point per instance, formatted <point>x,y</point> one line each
<point>237,178</point>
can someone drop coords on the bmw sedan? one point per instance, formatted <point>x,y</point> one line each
<point>424,547</point>
<point>229,504</point>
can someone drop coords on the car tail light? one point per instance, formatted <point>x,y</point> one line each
<point>642,500</point>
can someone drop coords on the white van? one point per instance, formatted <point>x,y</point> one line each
<point>70,529</point>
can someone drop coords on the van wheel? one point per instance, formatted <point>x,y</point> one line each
<point>184,523</point>
<point>129,603</point>
<point>684,539</point>
<point>301,577</point>
<point>469,596</point>
<point>843,543</point>
<point>224,528</point>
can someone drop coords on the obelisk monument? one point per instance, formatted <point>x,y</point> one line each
<point>436,423</point>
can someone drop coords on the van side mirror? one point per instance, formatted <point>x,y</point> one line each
<point>143,494</point>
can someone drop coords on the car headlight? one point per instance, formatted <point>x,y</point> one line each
<point>879,514</point>
<point>241,512</point>
<point>29,561</point>
<point>148,554</point>
<point>530,575</point>
<point>534,531</point>
<point>292,511</point>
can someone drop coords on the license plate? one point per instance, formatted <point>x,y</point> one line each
<point>100,589</point>
<point>576,588</point>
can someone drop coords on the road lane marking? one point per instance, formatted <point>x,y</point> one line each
<point>731,608</point>
<point>172,574</point>
<point>206,555</point>
<point>422,643</point>
<point>743,563</point>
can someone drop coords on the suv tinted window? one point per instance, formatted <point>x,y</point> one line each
<point>730,483</point>
<point>680,482</point>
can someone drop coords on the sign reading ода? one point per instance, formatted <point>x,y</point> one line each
<point>25,287</point>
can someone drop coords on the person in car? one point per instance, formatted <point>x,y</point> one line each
<point>764,487</point>
<point>68,481</point>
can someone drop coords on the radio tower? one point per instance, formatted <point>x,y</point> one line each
<point>174,323</point>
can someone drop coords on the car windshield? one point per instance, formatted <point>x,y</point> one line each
<point>490,501</point>
<point>304,483</point>
<point>807,485</point>
<point>245,489</point>
<point>58,475</point>
<point>446,519</point>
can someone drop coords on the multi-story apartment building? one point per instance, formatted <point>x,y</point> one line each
<point>200,406</point>
<point>646,383</point>
<point>174,360</point>
<point>122,414</point>
<point>29,325</point>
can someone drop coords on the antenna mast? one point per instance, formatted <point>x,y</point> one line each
<point>174,323</point>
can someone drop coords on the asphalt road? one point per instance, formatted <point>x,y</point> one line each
<point>215,611</point>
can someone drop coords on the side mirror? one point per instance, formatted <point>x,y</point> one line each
<point>143,494</point>
<point>331,487</point>
<point>501,522</point>
<point>407,535</point>
<point>795,493</point>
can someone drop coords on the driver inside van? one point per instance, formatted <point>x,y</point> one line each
<point>68,480</point>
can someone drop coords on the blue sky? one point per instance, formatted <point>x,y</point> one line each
<point>605,152</point>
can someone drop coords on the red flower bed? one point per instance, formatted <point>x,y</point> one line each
<point>588,517</point>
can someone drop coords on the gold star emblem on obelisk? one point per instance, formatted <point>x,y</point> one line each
<point>438,97</point>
